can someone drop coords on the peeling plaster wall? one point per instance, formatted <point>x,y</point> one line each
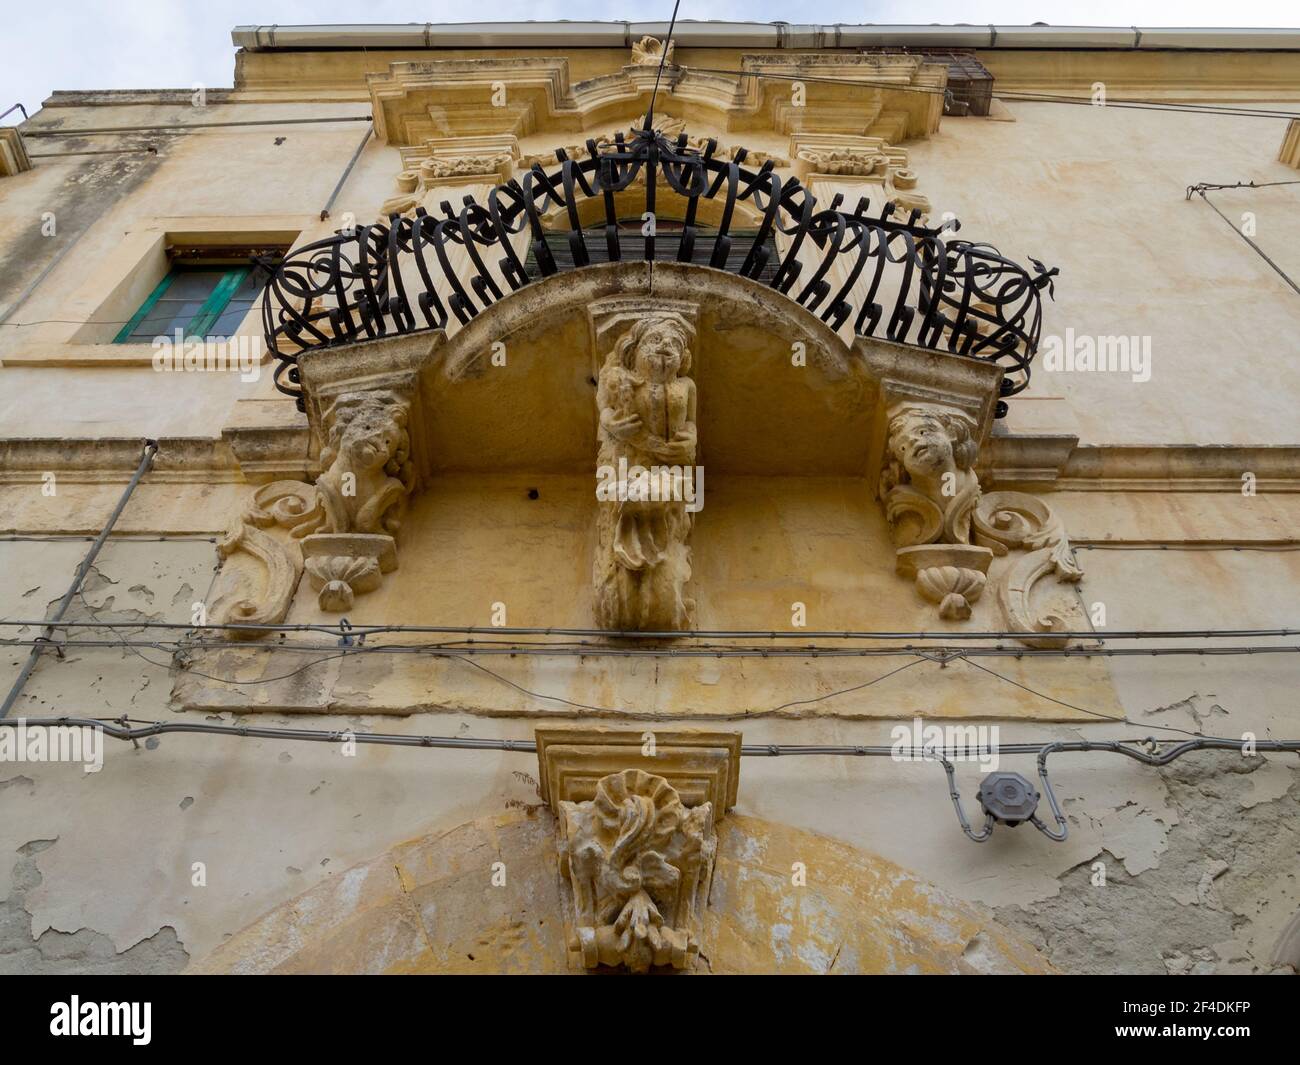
<point>1202,858</point>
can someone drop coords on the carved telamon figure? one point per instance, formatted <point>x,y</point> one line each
<point>647,422</point>
<point>928,484</point>
<point>640,864</point>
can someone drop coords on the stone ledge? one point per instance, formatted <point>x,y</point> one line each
<point>701,766</point>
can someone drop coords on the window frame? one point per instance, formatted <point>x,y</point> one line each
<point>207,314</point>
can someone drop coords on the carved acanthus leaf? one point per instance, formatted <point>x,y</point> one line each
<point>639,865</point>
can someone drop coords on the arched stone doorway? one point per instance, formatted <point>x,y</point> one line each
<point>429,905</point>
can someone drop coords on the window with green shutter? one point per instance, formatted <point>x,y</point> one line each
<point>203,300</point>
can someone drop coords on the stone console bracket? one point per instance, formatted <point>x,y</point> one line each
<point>636,815</point>
<point>934,416</point>
<point>368,441</point>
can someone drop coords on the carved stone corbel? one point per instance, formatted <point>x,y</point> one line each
<point>929,489</point>
<point>362,492</point>
<point>639,864</point>
<point>341,529</point>
<point>946,531</point>
<point>637,839</point>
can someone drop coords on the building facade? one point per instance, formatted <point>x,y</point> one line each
<point>776,503</point>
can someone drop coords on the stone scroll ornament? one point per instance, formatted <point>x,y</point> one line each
<point>342,529</point>
<point>947,531</point>
<point>647,441</point>
<point>639,864</point>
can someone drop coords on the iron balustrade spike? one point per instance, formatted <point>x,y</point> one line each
<point>900,279</point>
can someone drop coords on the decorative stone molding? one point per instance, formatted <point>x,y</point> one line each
<point>843,159</point>
<point>647,449</point>
<point>13,152</point>
<point>670,127</point>
<point>862,94</point>
<point>701,766</point>
<point>443,163</point>
<point>637,818</point>
<point>887,106</point>
<point>1289,153</point>
<point>415,101</point>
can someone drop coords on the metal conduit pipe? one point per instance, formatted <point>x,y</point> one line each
<point>345,629</point>
<point>1154,754</point>
<point>146,460</point>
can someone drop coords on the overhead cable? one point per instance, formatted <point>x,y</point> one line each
<point>1148,751</point>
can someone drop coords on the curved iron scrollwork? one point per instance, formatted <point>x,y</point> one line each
<point>906,281</point>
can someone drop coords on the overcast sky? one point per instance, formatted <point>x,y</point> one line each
<point>129,44</point>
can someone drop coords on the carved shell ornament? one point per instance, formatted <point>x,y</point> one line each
<point>649,51</point>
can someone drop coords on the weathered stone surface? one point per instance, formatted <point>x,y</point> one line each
<point>429,906</point>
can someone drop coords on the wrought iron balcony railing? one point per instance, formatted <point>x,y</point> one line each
<point>899,278</point>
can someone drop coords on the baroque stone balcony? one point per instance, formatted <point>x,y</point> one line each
<point>705,307</point>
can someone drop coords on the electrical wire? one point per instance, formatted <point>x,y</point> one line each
<point>183,127</point>
<point>345,629</point>
<point>937,652</point>
<point>119,538</point>
<point>1200,190</point>
<point>663,58</point>
<point>461,654</point>
<point>1154,755</point>
<point>1122,103</point>
<point>119,728</point>
<point>102,151</point>
<point>845,691</point>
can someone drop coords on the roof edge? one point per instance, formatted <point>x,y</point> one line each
<point>780,35</point>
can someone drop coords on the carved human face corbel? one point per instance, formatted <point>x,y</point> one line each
<point>929,486</point>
